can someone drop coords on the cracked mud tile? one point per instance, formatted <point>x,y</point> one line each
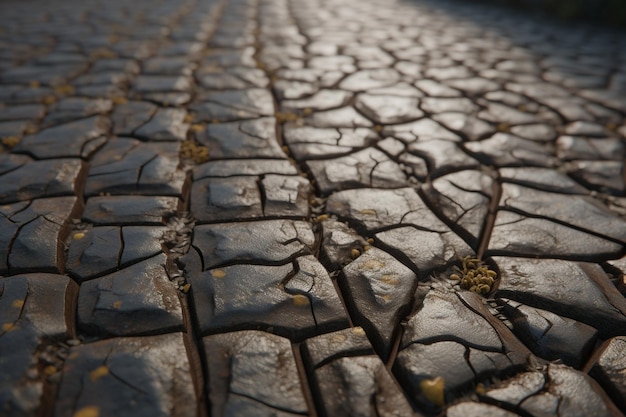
<point>469,126</point>
<point>134,376</point>
<point>75,108</point>
<point>271,241</point>
<point>349,380</point>
<point>248,139</point>
<point>233,78</point>
<point>575,290</point>
<point>37,179</point>
<point>345,117</point>
<point>463,198</point>
<point>80,138</point>
<point>214,199</point>
<point>609,369</point>
<point>252,373</point>
<point>549,335</point>
<point>380,290</point>
<point>558,390</point>
<point>517,235</point>
<point>129,166</point>
<point>368,79</point>
<point>130,209</point>
<point>366,168</point>
<point>388,109</point>
<point>325,99</point>
<point>167,124</point>
<point>453,338</point>
<point>231,105</point>
<point>294,301</point>
<point>38,231</point>
<point>421,129</point>
<point>545,179</point>
<point>580,211</point>
<point>425,240</point>
<point>306,142</point>
<point>584,148</point>
<point>504,149</point>
<point>33,312</point>
<point>443,156</point>
<point>228,168</point>
<point>130,116</point>
<point>137,300</point>
<point>340,244</point>
<point>100,250</point>
<point>603,176</point>
<point>286,196</point>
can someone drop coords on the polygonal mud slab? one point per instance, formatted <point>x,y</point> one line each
<point>252,373</point>
<point>38,179</point>
<point>425,249</point>
<point>390,109</point>
<point>33,234</point>
<point>214,199</point>
<point>367,168</point>
<point>604,176</point>
<point>228,168</point>
<point>285,196</point>
<point>75,108</point>
<point>247,139</point>
<point>99,250</point>
<point>322,100</point>
<point>421,129</point>
<point>503,149</point>
<point>557,391</point>
<point>545,179</point>
<point>609,369</point>
<point>75,139</point>
<point>463,198</point>
<point>582,212</point>
<point>514,234</point>
<point>339,244</point>
<point>130,209</point>
<point>379,292</point>
<point>468,126</point>
<point>295,301</point>
<point>442,155</point>
<point>345,117</point>
<point>129,166</point>
<point>374,209</point>
<point>137,300</point>
<point>455,337</point>
<point>267,242</point>
<point>369,79</point>
<point>550,336</point>
<point>230,105</point>
<point>306,142</point>
<point>35,309</point>
<point>128,377</point>
<point>166,124</point>
<point>576,290</point>
<point>130,116</point>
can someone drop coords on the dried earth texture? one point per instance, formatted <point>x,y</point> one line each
<point>325,208</point>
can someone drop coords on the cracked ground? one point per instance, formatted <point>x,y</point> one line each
<point>310,208</point>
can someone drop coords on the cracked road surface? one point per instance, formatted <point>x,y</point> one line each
<point>310,208</point>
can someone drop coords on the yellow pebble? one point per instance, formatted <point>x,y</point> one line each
<point>218,273</point>
<point>18,303</point>
<point>89,411</point>
<point>355,253</point>
<point>50,370</point>
<point>357,331</point>
<point>300,300</point>
<point>98,373</point>
<point>434,390</point>
<point>117,304</point>
<point>7,327</point>
<point>78,235</point>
